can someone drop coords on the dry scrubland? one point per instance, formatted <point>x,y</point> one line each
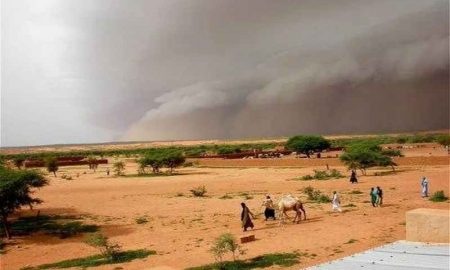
<point>180,228</point>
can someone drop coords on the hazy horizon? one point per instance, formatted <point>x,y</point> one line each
<point>76,72</point>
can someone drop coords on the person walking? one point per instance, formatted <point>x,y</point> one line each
<point>424,184</point>
<point>380,196</point>
<point>336,202</point>
<point>245,217</point>
<point>373,197</point>
<point>269,211</point>
<point>353,178</point>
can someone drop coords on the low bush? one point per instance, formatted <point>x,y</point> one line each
<point>141,220</point>
<point>439,196</point>
<point>199,191</point>
<point>316,195</point>
<point>109,251</point>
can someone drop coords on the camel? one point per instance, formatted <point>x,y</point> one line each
<point>290,203</point>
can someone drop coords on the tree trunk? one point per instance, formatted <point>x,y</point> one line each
<point>54,173</point>
<point>6,226</point>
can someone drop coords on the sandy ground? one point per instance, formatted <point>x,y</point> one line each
<point>181,228</point>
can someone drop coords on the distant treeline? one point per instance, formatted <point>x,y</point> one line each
<point>221,149</point>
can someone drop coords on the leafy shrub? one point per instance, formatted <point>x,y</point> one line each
<point>439,196</point>
<point>199,191</point>
<point>223,244</point>
<point>316,195</point>
<point>119,167</point>
<point>109,251</point>
<point>323,175</point>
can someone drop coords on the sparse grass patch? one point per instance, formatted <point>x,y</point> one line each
<point>179,194</point>
<point>355,192</point>
<point>226,197</point>
<point>141,220</point>
<point>263,261</point>
<point>349,205</point>
<point>96,260</point>
<point>351,241</point>
<point>439,196</point>
<point>322,175</point>
<point>246,195</point>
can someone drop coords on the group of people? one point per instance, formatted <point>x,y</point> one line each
<point>376,196</point>
<point>247,215</point>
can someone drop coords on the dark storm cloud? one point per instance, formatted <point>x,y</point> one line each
<point>184,69</point>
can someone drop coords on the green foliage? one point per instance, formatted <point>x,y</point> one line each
<point>263,261</point>
<point>96,260</point>
<point>364,155</point>
<point>223,244</point>
<point>439,196</point>
<point>228,149</point>
<point>323,175</point>
<point>444,140</point>
<point>16,188</point>
<point>110,251</point>
<point>157,159</point>
<point>61,226</point>
<point>52,165</point>
<point>92,162</point>
<point>392,153</point>
<point>307,144</point>
<point>199,191</point>
<point>118,167</point>
<point>316,195</point>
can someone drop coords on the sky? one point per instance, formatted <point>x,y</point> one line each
<point>85,71</point>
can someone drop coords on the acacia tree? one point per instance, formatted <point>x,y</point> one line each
<point>52,165</point>
<point>119,167</point>
<point>173,159</point>
<point>16,188</point>
<point>153,159</point>
<point>307,144</point>
<point>92,162</point>
<point>366,155</point>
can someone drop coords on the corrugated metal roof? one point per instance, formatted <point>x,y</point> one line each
<point>401,255</point>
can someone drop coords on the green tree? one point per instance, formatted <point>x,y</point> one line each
<point>153,159</point>
<point>307,144</point>
<point>52,165</point>
<point>118,167</point>
<point>364,155</point>
<point>173,159</point>
<point>16,188</point>
<point>92,162</point>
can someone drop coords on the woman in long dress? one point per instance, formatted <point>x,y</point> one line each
<point>245,217</point>
<point>353,178</point>
<point>336,202</point>
<point>269,212</point>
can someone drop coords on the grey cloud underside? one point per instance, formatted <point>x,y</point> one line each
<point>392,77</point>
